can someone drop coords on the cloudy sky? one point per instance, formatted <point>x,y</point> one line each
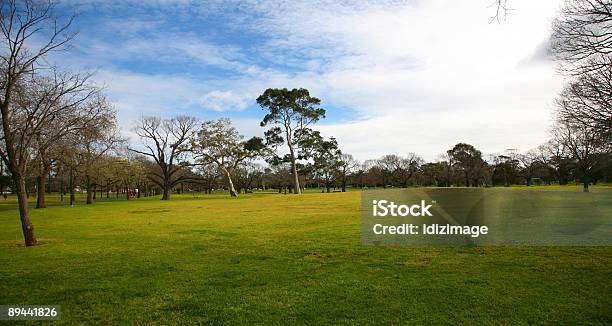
<point>394,76</point>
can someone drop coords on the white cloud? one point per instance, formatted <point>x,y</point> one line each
<point>427,75</point>
<point>422,75</point>
<point>224,101</point>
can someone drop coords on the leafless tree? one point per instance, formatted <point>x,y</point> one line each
<point>587,100</point>
<point>95,140</point>
<point>166,142</point>
<point>401,169</point>
<point>501,10</point>
<point>348,165</point>
<point>49,109</point>
<point>582,35</point>
<point>585,146</point>
<point>20,23</point>
<point>208,176</point>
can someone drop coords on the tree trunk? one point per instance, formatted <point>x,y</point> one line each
<point>166,195</point>
<point>14,167</point>
<point>89,193</point>
<point>296,179</point>
<point>49,185</point>
<point>62,189</point>
<point>40,199</point>
<point>230,184</point>
<point>24,214</point>
<point>71,187</point>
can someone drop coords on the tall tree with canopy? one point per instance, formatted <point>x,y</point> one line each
<point>469,160</point>
<point>325,154</point>
<point>290,113</point>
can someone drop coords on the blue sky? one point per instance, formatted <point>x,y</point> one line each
<point>394,76</point>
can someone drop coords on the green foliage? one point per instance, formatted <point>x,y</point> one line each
<point>286,106</point>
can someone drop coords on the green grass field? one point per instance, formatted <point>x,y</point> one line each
<point>269,258</point>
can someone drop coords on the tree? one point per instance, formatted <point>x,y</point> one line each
<point>587,100</point>
<point>506,167</point>
<point>93,142</point>
<point>469,160</point>
<point>55,107</point>
<point>128,171</point>
<point>30,30</point>
<point>290,112</point>
<point>325,154</point>
<point>501,10</point>
<point>582,43</point>
<point>374,174</point>
<point>218,142</point>
<point>248,176</point>
<point>586,147</point>
<point>581,38</point>
<point>166,142</point>
<point>400,169</point>
<point>531,165</point>
<point>207,176</point>
<point>434,174</point>
<point>348,166</point>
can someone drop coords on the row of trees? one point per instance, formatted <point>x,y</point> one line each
<point>60,132</point>
<point>582,44</point>
<point>49,116</point>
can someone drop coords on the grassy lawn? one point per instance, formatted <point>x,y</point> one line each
<point>270,258</point>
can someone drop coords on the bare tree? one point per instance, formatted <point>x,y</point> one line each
<point>586,147</point>
<point>51,108</point>
<point>556,154</point>
<point>348,165</point>
<point>20,23</point>
<point>219,143</point>
<point>501,10</point>
<point>98,137</point>
<point>587,100</point>
<point>582,42</point>
<point>166,142</point>
<point>401,169</point>
<point>582,35</point>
